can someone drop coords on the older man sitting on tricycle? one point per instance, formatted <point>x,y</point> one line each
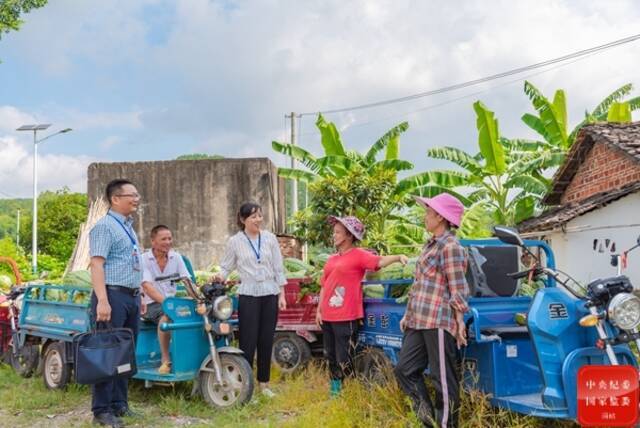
<point>163,267</point>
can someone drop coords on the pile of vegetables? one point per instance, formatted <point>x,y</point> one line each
<point>80,279</point>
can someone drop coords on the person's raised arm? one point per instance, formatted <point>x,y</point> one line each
<point>387,260</point>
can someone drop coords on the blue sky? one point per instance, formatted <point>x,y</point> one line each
<point>153,79</point>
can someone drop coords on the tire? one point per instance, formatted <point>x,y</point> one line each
<point>237,378</point>
<point>290,352</point>
<point>55,372</point>
<point>374,367</point>
<point>26,361</point>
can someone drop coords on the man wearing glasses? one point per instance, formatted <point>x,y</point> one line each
<point>116,276</point>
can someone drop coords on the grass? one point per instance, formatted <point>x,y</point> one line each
<point>302,401</point>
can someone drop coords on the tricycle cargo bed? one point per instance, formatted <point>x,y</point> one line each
<point>49,311</point>
<point>301,309</point>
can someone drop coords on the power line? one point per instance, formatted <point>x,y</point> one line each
<point>457,86</point>
<point>462,97</point>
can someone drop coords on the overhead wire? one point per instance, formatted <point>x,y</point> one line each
<point>453,100</point>
<point>472,94</point>
<point>474,82</point>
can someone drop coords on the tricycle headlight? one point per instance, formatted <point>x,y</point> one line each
<point>222,307</point>
<point>624,311</point>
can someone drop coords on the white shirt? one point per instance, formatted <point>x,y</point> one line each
<point>239,255</point>
<point>175,266</point>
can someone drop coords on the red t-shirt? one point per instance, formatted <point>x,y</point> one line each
<point>341,284</point>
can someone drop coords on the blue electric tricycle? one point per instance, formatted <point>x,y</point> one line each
<point>523,352</point>
<point>200,341</point>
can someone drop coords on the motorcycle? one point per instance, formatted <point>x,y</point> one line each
<point>529,364</point>
<point>607,300</point>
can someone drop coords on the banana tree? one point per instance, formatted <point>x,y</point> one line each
<point>337,160</point>
<point>551,122</point>
<point>492,181</point>
<point>345,182</point>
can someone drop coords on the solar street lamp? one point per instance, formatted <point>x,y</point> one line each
<point>34,225</point>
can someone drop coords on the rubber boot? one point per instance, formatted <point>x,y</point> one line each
<point>336,387</point>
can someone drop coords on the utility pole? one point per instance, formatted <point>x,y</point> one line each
<point>18,230</point>
<point>294,184</point>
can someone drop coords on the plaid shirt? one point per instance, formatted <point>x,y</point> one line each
<point>108,240</point>
<point>440,286</point>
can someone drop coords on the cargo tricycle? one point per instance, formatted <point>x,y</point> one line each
<point>200,349</point>
<point>297,337</point>
<point>525,352</point>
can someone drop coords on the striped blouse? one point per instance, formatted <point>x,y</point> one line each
<point>239,255</point>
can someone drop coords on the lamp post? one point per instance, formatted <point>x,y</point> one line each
<point>34,225</point>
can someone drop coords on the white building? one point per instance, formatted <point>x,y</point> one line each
<point>596,194</point>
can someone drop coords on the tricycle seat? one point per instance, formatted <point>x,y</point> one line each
<point>496,315</point>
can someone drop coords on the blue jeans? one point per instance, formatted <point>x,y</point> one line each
<point>110,397</point>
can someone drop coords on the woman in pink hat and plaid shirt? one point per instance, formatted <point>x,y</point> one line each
<point>341,306</point>
<point>433,323</point>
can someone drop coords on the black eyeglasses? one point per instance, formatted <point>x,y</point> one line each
<point>130,195</point>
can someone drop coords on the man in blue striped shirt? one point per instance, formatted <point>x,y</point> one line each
<point>116,276</point>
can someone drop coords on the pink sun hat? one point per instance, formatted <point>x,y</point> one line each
<point>351,223</point>
<point>446,205</point>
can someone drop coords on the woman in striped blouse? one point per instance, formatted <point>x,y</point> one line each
<point>255,254</point>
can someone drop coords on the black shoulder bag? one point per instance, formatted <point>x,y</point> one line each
<point>104,355</point>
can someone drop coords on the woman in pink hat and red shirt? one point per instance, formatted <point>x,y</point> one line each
<point>341,305</point>
<point>433,323</point>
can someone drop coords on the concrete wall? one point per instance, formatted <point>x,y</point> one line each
<point>197,199</point>
<point>617,223</point>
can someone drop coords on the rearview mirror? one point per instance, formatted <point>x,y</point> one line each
<point>508,235</point>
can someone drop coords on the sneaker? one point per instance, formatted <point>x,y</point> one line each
<point>165,368</point>
<point>268,393</point>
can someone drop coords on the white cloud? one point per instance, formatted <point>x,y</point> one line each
<point>225,76</point>
<point>54,171</point>
<point>11,118</point>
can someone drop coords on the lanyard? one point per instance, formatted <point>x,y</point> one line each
<point>133,241</point>
<point>256,252</point>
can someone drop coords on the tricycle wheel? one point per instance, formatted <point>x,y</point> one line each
<point>374,366</point>
<point>26,361</point>
<point>237,382</point>
<point>56,372</point>
<point>290,352</point>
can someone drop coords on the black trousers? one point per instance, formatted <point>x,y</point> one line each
<point>435,348</point>
<point>112,396</point>
<point>339,340</point>
<point>257,318</point>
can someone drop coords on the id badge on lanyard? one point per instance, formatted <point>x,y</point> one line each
<point>261,271</point>
<point>135,255</point>
<point>136,258</point>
